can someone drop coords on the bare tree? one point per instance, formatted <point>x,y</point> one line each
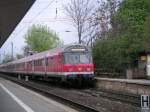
<point>80,12</point>
<point>104,13</point>
<point>92,18</point>
<point>99,23</point>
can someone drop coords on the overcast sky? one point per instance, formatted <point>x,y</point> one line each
<point>42,12</point>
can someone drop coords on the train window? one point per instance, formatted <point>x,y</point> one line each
<point>46,61</point>
<point>43,62</point>
<point>38,62</point>
<point>50,61</point>
<point>35,62</point>
<point>76,58</point>
<point>29,63</point>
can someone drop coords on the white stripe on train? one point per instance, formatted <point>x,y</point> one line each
<point>53,73</point>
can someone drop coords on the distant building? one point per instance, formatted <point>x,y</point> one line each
<point>144,62</point>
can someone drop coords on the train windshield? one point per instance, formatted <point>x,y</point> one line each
<point>77,58</point>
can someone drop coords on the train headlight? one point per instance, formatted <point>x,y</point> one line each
<point>70,69</point>
<point>88,69</point>
<point>80,69</point>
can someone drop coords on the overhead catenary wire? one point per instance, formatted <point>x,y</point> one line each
<point>41,11</point>
<point>51,20</point>
<point>35,16</point>
<point>47,21</point>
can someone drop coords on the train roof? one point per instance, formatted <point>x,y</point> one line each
<point>50,52</point>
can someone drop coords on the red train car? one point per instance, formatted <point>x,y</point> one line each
<point>71,63</point>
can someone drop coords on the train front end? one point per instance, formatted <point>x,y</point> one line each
<point>78,65</point>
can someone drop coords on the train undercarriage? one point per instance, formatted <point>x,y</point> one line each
<point>75,80</point>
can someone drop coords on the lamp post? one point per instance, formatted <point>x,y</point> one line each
<point>68,31</point>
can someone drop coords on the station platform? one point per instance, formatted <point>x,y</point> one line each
<point>132,81</point>
<point>15,98</point>
<point>134,86</point>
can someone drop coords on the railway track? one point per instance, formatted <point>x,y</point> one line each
<point>122,97</point>
<point>113,95</point>
<point>45,91</point>
<point>84,100</point>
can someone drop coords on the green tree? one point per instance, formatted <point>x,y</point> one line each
<point>40,38</point>
<point>130,19</point>
<point>129,35</point>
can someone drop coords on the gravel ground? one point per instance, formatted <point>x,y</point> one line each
<point>100,103</point>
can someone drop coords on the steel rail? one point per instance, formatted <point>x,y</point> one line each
<point>71,103</point>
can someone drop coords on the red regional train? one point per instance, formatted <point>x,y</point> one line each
<point>70,63</point>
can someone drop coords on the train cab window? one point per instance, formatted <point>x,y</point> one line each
<point>77,58</point>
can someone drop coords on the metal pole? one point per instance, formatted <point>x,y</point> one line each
<point>19,77</point>
<point>12,50</point>
<point>3,57</point>
<point>26,78</point>
<point>0,59</point>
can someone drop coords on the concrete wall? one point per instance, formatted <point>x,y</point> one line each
<point>148,67</point>
<point>124,86</point>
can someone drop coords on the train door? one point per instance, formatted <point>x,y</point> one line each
<point>32,66</point>
<point>45,65</point>
<point>60,61</point>
<point>25,69</point>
